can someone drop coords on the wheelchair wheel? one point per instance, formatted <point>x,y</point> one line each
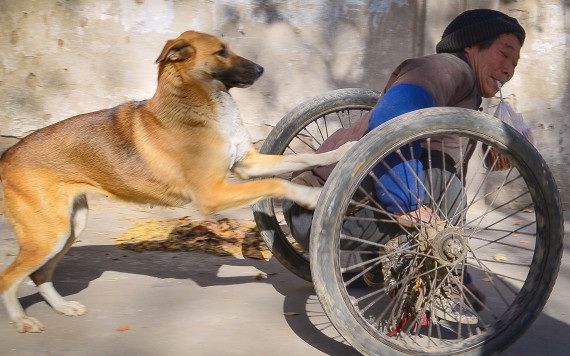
<point>303,130</point>
<point>468,280</point>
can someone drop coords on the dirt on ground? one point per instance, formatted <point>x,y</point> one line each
<point>222,237</point>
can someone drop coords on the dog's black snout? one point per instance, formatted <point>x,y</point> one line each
<point>241,75</point>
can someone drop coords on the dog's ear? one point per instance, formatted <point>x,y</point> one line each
<point>176,50</point>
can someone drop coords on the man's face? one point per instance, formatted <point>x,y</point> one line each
<point>497,62</point>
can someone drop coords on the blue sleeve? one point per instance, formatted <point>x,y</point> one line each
<point>396,188</point>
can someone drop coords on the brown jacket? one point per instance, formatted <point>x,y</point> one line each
<point>447,77</point>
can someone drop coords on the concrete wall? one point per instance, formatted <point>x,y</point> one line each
<point>61,58</point>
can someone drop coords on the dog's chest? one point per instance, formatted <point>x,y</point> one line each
<point>231,127</point>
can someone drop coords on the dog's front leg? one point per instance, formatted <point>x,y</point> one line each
<point>256,164</point>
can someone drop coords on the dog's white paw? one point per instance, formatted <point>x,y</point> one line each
<point>310,197</point>
<point>343,149</point>
<point>335,155</point>
<point>346,146</point>
<point>26,324</point>
<point>71,308</point>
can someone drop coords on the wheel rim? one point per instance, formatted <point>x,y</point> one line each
<point>500,237</point>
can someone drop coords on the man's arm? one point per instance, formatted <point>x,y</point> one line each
<point>397,188</point>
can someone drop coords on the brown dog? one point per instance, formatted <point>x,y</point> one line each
<point>179,146</point>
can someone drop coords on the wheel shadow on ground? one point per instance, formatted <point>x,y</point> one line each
<point>84,264</point>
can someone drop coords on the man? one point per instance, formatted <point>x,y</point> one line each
<point>479,51</point>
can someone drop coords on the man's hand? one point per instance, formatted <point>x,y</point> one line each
<point>420,216</point>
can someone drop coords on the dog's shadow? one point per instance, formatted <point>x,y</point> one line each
<point>84,264</point>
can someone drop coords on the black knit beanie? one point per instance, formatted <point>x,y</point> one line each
<point>476,26</point>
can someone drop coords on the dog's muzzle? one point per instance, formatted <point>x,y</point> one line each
<point>243,74</point>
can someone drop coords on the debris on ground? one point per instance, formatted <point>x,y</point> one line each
<point>123,328</point>
<point>223,237</point>
<point>500,257</point>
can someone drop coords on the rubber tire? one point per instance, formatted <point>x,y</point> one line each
<point>276,143</point>
<point>360,160</point>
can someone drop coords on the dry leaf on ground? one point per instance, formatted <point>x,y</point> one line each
<point>500,257</point>
<point>223,237</point>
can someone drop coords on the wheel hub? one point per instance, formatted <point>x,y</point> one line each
<point>449,246</point>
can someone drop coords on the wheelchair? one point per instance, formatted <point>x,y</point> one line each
<point>500,229</point>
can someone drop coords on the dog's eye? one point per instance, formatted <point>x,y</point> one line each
<point>222,53</point>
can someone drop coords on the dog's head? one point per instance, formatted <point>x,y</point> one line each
<point>196,55</point>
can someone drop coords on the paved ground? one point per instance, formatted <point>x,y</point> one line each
<point>194,303</point>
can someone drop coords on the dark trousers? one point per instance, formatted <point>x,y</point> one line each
<point>444,196</point>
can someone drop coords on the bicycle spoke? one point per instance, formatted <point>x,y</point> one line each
<point>316,122</point>
<point>487,212</point>
<point>486,270</point>
<point>340,119</point>
<point>504,236</point>
<point>314,138</point>
<point>505,217</point>
<point>313,149</point>
<point>501,243</point>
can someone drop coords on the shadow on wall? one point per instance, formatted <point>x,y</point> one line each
<point>346,44</point>
<point>392,33</point>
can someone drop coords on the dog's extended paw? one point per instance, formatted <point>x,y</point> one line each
<point>310,197</point>
<point>26,324</point>
<point>335,155</point>
<point>346,146</point>
<point>71,308</point>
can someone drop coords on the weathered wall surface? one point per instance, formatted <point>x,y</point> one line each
<point>61,58</point>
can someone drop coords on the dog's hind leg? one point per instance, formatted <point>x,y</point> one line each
<point>211,197</point>
<point>43,276</point>
<point>41,220</point>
